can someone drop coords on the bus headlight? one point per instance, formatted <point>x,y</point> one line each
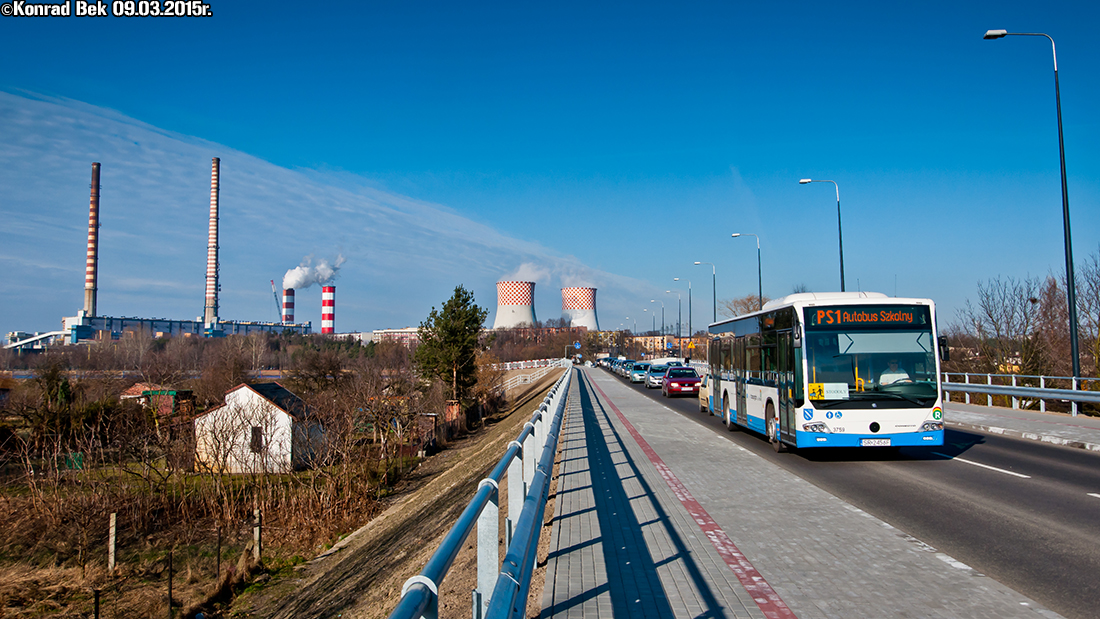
<point>817,426</point>
<point>932,426</point>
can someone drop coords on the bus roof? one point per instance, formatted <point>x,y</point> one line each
<point>803,299</point>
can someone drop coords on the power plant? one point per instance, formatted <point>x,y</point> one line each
<point>515,305</point>
<point>578,307</point>
<point>88,324</point>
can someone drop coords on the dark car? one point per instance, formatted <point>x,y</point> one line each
<point>680,381</point>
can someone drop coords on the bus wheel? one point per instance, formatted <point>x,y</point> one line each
<point>730,425</point>
<point>773,428</point>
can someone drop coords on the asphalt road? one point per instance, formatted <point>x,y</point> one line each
<point>1023,512</point>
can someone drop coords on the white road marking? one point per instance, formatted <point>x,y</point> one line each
<point>1094,494</point>
<point>984,466</point>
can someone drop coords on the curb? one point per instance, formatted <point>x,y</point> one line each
<point>1031,436</point>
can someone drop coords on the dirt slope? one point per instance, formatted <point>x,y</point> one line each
<point>361,577</point>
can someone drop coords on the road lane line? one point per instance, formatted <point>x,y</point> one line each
<point>1094,494</point>
<point>984,466</point>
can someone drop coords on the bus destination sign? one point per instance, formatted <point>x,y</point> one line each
<point>867,316</point>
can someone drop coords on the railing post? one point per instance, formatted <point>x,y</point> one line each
<point>989,396</point>
<point>1074,402</point>
<point>529,456</point>
<point>967,378</point>
<point>1042,402</point>
<point>1015,401</point>
<point>946,393</point>
<point>516,491</point>
<point>488,549</point>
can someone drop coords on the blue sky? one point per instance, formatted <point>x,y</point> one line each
<point>612,145</point>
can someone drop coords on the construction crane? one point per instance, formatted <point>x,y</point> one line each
<point>278,306</point>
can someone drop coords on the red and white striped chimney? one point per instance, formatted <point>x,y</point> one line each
<point>328,309</point>
<point>288,305</point>
<point>210,315</point>
<point>91,268</point>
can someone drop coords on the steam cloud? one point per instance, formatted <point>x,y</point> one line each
<point>306,274</point>
<point>528,272</point>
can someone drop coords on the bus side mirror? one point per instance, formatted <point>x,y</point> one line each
<point>797,337</point>
<point>945,350</point>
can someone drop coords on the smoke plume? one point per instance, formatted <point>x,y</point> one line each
<point>306,274</point>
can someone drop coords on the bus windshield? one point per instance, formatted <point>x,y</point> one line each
<point>856,359</point>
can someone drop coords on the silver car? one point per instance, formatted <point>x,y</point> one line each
<point>654,376</point>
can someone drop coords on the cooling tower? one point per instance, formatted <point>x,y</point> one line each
<point>210,313</point>
<point>328,309</point>
<point>91,268</point>
<point>515,305</point>
<point>578,307</point>
<point>288,305</point>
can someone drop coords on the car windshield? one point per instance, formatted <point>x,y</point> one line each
<point>871,363</point>
<point>641,367</point>
<point>682,373</point>
<point>657,370</point>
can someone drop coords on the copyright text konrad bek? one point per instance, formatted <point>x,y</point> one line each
<point>115,8</point>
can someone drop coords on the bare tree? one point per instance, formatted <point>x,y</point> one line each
<point>1003,323</point>
<point>740,305</point>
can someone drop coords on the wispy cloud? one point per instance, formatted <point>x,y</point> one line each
<point>403,255</point>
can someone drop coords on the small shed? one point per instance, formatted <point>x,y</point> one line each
<point>261,428</point>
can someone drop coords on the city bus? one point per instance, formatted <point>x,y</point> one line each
<point>841,369</point>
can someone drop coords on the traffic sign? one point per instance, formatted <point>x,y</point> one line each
<point>577,345</point>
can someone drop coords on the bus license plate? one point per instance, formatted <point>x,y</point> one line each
<point>875,442</point>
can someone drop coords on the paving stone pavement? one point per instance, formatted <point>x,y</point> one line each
<point>624,545</point>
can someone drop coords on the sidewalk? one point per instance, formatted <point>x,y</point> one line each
<point>659,518</point>
<point>1057,428</point>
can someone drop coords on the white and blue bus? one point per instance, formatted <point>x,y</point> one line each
<point>842,369</point>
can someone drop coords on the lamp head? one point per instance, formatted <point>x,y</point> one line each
<point>805,180</point>
<point>995,34</point>
<point>736,234</point>
<point>698,262</point>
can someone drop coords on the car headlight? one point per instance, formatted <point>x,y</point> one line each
<point>932,426</point>
<point>816,426</point>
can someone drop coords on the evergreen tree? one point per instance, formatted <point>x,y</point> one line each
<point>449,340</point>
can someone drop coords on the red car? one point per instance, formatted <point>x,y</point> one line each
<point>680,381</point>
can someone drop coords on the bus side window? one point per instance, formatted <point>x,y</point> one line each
<point>797,399</point>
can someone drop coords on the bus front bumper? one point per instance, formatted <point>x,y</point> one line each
<point>902,439</point>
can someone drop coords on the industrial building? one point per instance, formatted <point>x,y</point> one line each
<point>88,324</point>
<point>515,305</point>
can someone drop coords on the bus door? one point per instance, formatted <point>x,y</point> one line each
<point>787,412</point>
<point>742,383</point>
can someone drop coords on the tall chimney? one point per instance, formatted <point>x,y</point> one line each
<point>328,309</point>
<point>288,305</point>
<point>210,315</point>
<point>91,269</point>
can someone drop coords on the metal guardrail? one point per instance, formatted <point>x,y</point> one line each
<point>1017,393</point>
<point>526,379</point>
<point>528,461</point>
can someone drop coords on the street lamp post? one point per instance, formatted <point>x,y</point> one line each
<point>690,332</point>
<point>1071,288</point>
<point>662,314</point>
<point>759,279</point>
<point>839,231</point>
<point>679,324</point>
<point>714,289</point>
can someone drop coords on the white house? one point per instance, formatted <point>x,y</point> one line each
<point>262,428</point>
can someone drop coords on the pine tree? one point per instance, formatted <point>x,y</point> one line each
<point>449,341</point>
